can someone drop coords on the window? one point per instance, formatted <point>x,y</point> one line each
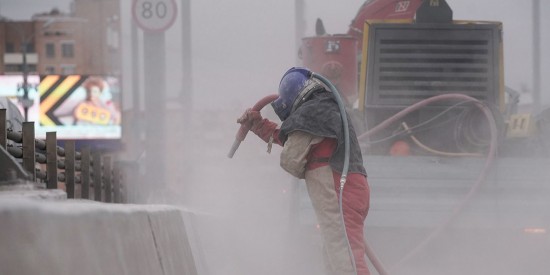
<point>67,49</point>
<point>30,48</point>
<point>67,69</point>
<point>31,68</point>
<point>50,50</point>
<point>11,68</point>
<point>9,47</point>
<point>49,69</point>
<point>18,68</point>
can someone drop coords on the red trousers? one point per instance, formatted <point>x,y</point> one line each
<point>323,186</point>
<point>355,202</point>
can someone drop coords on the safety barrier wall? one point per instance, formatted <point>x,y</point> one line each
<point>85,237</point>
<point>97,176</point>
<point>44,233</point>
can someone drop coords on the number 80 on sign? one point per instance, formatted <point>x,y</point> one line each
<point>154,15</point>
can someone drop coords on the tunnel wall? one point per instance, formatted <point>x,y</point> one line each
<point>84,237</point>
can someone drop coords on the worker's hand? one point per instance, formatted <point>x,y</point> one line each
<point>249,118</point>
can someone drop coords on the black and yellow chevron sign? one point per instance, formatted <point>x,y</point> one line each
<point>54,90</point>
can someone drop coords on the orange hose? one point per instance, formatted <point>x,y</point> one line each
<point>473,190</point>
<point>437,152</point>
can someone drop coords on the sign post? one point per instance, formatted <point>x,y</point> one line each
<point>154,17</point>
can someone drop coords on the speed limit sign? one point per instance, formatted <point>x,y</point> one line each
<point>154,15</point>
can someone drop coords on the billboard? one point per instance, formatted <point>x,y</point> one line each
<point>74,106</point>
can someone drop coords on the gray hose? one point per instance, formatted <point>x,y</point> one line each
<point>345,125</point>
<point>344,176</point>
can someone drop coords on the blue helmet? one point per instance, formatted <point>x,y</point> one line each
<point>292,83</point>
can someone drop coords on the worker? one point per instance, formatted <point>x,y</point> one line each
<point>312,137</point>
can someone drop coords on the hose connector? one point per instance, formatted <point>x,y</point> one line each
<point>343,180</point>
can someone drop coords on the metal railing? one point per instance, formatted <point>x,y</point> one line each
<point>87,174</point>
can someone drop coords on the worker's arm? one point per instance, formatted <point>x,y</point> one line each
<point>294,156</point>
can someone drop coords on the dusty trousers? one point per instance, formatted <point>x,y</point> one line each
<point>323,186</point>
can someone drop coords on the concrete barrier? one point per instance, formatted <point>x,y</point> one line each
<point>84,237</point>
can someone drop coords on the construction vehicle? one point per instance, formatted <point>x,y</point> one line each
<point>460,180</point>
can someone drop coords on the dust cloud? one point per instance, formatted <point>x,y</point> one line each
<point>250,217</point>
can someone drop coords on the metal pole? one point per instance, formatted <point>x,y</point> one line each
<point>85,173</point>
<point>536,56</point>
<point>186,95</point>
<point>300,26</point>
<point>107,172</point>
<point>25,101</point>
<point>3,129</point>
<point>29,149</point>
<point>136,91</point>
<point>51,161</point>
<point>116,182</point>
<point>70,168</point>
<point>25,83</point>
<point>155,102</point>
<point>97,175</point>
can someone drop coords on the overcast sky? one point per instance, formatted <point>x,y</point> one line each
<point>242,47</point>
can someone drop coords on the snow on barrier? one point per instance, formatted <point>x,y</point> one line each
<point>86,237</point>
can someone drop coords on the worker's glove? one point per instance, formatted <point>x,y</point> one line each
<point>262,127</point>
<point>250,118</point>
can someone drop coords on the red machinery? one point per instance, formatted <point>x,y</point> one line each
<point>420,67</point>
<point>399,52</point>
<point>381,10</point>
<point>336,56</point>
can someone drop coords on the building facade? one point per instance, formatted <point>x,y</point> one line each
<point>83,42</point>
<point>15,36</point>
<point>100,37</point>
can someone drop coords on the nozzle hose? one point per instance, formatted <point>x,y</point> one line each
<point>234,148</point>
<point>241,134</point>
